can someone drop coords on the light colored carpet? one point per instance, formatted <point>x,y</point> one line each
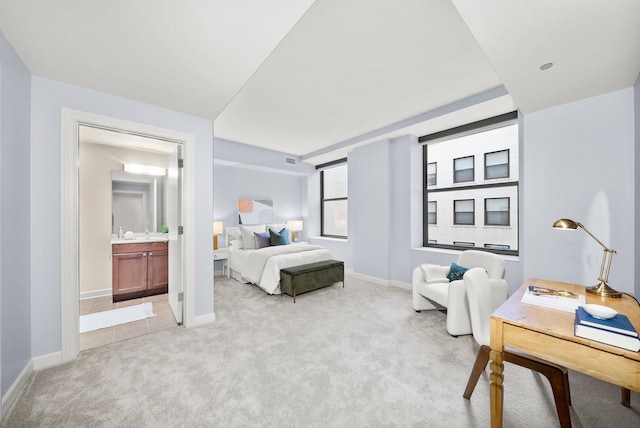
<point>104,319</point>
<point>353,357</point>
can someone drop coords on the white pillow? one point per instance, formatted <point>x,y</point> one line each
<point>248,240</point>
<point>276,227</point>
<point>237,243</point>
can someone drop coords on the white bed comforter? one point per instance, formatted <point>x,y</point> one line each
<point>262,267</point>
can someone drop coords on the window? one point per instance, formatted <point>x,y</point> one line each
<point>497,246</point>
<point>451,200</point>
<point>463,169</point>
<point>333,194</point>
<point>432,174</point>
<point>433,212</point>
<point>464,212</point>
<point>496,165</point>
<point>496,211</point>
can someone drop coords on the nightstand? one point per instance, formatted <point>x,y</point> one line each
<point>222,254</point>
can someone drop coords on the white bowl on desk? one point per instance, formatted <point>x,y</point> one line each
<point>599,311</point>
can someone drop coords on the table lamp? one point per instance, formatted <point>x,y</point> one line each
<point>602,289</point>
<point>218,229</point>
<point>295,226</point>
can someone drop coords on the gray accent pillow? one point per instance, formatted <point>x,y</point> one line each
<point>262,239</point>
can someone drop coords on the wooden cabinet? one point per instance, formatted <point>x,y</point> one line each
<point>140,269</point>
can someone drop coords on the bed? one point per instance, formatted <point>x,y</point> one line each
<point>251,263</point>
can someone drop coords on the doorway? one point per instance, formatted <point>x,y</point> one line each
<point>123,184</point>
<point>71,122</point>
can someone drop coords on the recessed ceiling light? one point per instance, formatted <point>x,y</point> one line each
<point>546,66</point>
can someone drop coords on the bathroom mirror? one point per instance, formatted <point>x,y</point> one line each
<point>137,202</point>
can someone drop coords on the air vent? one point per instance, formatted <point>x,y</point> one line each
<point>290,161</point>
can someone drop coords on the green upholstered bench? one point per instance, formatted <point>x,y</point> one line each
<point>300,279</point>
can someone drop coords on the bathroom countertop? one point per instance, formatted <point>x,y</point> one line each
<point>140,240</point>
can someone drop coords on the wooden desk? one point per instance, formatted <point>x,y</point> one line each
<point>548,334</point>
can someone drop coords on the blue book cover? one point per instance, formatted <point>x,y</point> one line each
<point>618,324</point>
<point>606,336</point>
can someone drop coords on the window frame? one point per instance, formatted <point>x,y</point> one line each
<point>486,216</point>
<point>473,169</point>
<point>473,212</point>
<point>508,164</point>
<point>435,213</point>
<point>338,163</point>
<point>506,119</point>
<point>435,181</point>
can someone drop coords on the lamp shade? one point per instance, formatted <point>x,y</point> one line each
<point>294,225</point>
<point>565,223</point>
<point>218,228</point>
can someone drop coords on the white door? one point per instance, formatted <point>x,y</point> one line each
<point>173,205</point>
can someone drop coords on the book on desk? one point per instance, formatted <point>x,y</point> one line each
<point>561,300</point>
<point>617,331</point>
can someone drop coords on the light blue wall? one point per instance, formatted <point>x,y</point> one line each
<point>15,88</point>
<point>234,182</point>
<point>588,145</point>
<point>579,164</point>
<point>243,171</point>
<point>258,158</point>
<point>48,99</point>
<point>636,111</point>
<point>370,225</point>
<point>402,207</point>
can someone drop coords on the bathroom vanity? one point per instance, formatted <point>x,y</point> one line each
<point>140,268</point>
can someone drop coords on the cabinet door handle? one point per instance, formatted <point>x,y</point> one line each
<point>151,254</point>
<point>144,254</point>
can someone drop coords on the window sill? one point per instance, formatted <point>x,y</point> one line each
<point>326,238</point>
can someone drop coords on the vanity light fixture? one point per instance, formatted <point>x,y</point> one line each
<point>602,289</point>
<point>144,169</point>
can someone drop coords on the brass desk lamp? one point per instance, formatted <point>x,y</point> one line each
<point>602,289</point>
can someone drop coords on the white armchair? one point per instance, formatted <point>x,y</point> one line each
<point>433,290</point>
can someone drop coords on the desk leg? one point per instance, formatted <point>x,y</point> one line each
<point>496,388</point>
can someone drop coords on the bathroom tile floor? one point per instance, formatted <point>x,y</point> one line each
<point>92,339</point>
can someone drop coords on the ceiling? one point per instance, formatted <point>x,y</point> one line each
<point>318,78</point>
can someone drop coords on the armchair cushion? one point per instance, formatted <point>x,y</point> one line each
<point>431,289</point>
<point>456,272</point>
<point>434,273</point>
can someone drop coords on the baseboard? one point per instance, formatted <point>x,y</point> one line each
<point>378,281</point>
<point>400,284</point>
<point>96,293</point>
<point>373,279</point>
<point>16,388</point>
<point>46,361</point>
<point>203,320</point>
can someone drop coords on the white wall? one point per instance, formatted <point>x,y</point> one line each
<point>48,99</point>
<point>579,164</point>
<point>15,294</point>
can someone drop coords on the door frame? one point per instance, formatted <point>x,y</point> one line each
<point>70,293</point>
